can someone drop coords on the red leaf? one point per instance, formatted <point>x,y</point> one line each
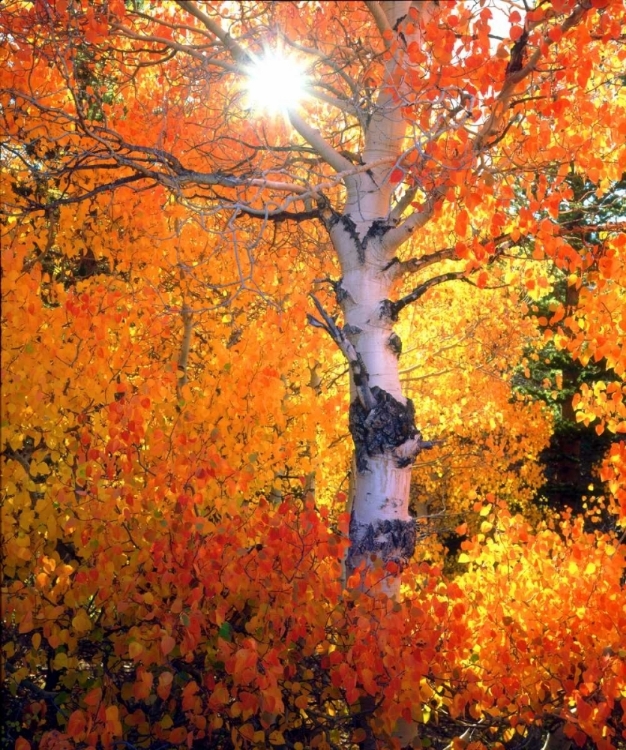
<point>462,220</point>
<point>76,724</point>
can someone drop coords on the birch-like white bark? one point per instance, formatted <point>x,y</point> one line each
<point>386,438</point>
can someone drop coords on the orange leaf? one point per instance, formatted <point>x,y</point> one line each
<point>93,697</point>
<point>76,724</point>
<point>481,281</point>
<point>167,644</point>
<point>461,223</point>
<point>247,731</point>
<point>178,735</point>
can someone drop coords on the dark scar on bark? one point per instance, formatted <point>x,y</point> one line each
<point>387,310</point>
<point>386,426</point>
<point>378,228</point>
<point>394,342</point>
<point>394,540</point>
<point>341,293</point>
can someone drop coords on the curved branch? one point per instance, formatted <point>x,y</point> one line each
<point>400,234</point>
<point>360,375</point>
<point>236,50</point>
<point>279,215</point>
<point>170,44</point>
<point>108,187</point>
<point>420,290</point>
<point>333,158</point>
<point>414,265</point>
<point>380,19</point>
<point>517,72</point>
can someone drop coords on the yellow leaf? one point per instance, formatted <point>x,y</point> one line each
<point>276,738</point>
<point>81,622</point>
<point>302,701</point>
<point>464,558</point>
<point>135,649</point>
<point>26,625</point>
<point>247,731</point>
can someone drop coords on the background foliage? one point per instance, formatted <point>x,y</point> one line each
<point>175,452</point>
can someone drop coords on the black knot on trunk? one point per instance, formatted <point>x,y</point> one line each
<point>385,427</point>
<point>387,310</point>
<point>394,342</point>
<point>394,540</point>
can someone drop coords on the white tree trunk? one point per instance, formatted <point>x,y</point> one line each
<point>366,235</point>
<point>382,425</point>
<point>385,437</point>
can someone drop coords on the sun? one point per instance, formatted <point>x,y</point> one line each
<point>275,83</point>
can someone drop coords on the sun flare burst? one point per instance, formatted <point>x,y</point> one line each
<point>275,83</point>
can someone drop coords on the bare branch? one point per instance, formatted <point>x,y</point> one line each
<point>279,216</point>
<point>170,44</point>
<point>400,234</point>
<point>108,187</point>
<point>335,97</point>
<point>333,158</point>
<point>236,50</point>
<point>402,205</point>
<point>420,290</point>
<point>360,375</point>
<point>341,104</point>
<point>380,19</point>
<point>414,265</point>
<point>517,71</point>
